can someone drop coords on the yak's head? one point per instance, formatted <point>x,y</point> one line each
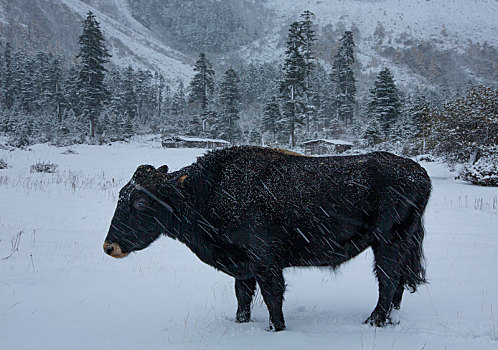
<point>145,210</point>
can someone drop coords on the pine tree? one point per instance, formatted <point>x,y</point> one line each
<point>373,133</point>
<point>293,84</point>
<point>385,103</point>
<point>7,77</point>
<point>50,99</point>
<point>249,84</point>
<point>229,98</point>
<point>202,84</point>
<point>93,55</point>
<point>194,125</point>
<point>127,127</point>
<point>44,82</point>
<point>178,105</point>
<point>129,96</point>
<point>1,70</point>
<point>403,130</point>
<point>255,137</point>
<point>343,79</point>
<point>28,90</point>
<point>271,116</point>
<point>116,109</point>
<point>72,90</point>
<point>145,97</point>
<point>319,95</point>
<point>309,38</point>
<point>421,117</point>
<point>56,96</point>
<point>160,88</point>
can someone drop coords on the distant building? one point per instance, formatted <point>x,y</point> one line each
<point>193,142</point>
<point>324,146</point>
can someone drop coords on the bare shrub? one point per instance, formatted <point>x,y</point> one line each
<point>42,167</point>
<point>3,164</point>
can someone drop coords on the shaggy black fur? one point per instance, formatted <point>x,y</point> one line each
<point>251,212</point>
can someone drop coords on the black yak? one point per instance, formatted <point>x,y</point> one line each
<point>251,212</point>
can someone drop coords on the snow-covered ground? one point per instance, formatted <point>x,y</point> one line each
<point>59,291</point>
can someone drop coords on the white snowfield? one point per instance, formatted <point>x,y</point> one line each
<point>59,291</point>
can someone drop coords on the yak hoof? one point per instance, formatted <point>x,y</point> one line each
<point>277,326</point>
<point>379,320</point>
<point>243,316</point>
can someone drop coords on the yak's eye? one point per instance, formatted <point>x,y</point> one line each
<point>140,204</point>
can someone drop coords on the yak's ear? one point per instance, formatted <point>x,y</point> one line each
<point>177,181</point>
<point>180,181</point>
<point>143,172</point>
<point>163,169</point>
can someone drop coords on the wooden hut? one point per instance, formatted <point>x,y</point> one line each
<point>193,142</point>
<point>326,146</point>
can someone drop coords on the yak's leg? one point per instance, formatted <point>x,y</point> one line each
<point>272,285</point>
<point>244,291</point>
<point>388,270</point>
<point>398,295</point>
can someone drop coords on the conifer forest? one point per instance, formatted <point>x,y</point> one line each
<point>84,98</point>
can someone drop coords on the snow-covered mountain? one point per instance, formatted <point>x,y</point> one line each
<point>452,21</point>
<point>57,23</point>
<point>163,35</point>
<point>401,34</point>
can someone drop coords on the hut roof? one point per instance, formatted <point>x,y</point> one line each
<point>328,141</point>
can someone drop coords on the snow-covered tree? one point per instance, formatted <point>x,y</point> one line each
<point>229,98</point>
<point>160,89</point>
<point>28,89</point>
<point>343,79</point>
<point>71,90</point>
<point>293,84</point>
<point>145,96</point>
<point>202,84</point>
<point>373,133</point>
<point>8,89</point>
<point>271,117</point>
<point>178,105</point>
<point>385,105</point>
<point>255,137</point>
<point>93,55</point>
<point>128,95</point>
<point>56,89</point>
<point>466,128</point>
<point>308,41</point>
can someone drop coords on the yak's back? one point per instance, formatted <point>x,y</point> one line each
<point>286,187</point>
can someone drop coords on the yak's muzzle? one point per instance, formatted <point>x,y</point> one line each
<point>114,250</point>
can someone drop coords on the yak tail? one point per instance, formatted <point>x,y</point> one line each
<point>414,269</point>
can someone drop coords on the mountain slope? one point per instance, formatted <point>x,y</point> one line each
<point>423,42</point>
<point>455,21</point>
<point>452,42</point>
<point>57,23</point>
